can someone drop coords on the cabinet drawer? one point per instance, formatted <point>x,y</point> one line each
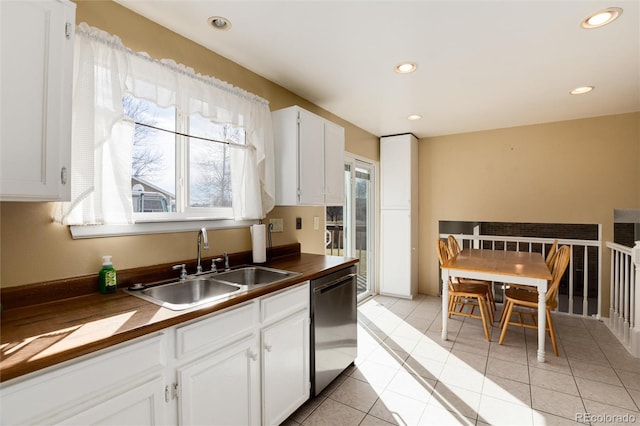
<point>216,330</point>
<point>284,303</point>
<point>61,390</point>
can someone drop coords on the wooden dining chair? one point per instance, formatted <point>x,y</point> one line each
<point>454,250</point>
<point>528,300</point>
<point>461,295</point>
<point>551,255</point>
<point>453,246</point>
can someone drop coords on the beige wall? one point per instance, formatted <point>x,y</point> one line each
<point>567,172</point>
<point>575,171</point>
<point>33,249</point>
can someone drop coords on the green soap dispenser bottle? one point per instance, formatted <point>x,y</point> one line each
<point>107,276</point>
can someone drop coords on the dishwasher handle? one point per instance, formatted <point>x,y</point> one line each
<point>326,287</point>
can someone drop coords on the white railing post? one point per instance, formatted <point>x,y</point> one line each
<point>600,265</point>
<point>635,303</point>
<point>585,283</point>
<point>626,302</point>
<point>616,294</point>
<point>612,297</point>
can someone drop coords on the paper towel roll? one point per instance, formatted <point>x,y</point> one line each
<point>258,242</point>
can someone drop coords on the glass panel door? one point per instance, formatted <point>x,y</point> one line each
<point>350,228</point>
<point>337,236</point>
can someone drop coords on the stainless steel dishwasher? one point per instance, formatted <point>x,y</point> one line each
<point>334,319</point>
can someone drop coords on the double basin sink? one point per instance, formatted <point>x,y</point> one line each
<point>205,288</point>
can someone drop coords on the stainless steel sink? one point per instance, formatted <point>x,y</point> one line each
<point>188,294</point>
<point>254,275</point>
<point>203,289</point>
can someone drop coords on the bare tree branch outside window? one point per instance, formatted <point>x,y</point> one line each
<point>146,162</point>
<point>212,183</point>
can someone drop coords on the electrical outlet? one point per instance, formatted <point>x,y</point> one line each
<point>277,225</point>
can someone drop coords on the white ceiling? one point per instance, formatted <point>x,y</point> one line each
<point>481,64</point>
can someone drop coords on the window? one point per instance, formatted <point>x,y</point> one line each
<point>153,156</point>
<point>162,158</point>
<point>171,174</point>
<point>210,162</point>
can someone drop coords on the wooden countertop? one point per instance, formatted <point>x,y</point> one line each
<point>38,336</point>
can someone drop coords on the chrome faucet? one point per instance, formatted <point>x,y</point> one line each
<point>226,261</point>
<point>202,237</point>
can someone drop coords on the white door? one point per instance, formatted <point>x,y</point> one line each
<point>285,358</point>
<point>222,388</point>
<point>350,228</point>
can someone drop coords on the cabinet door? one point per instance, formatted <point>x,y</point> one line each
<point>285,371</point>
<point>222,388</point>
<point>396,253</point>
<point>333,164</point>
<point>311,159</point>
<point>141,405</point>
<point>395,171</point>
<point>285,144</point>
<point>36,60</point>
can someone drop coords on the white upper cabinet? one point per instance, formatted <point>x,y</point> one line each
<point>398,171</point>
<point>334,164</point>
<point>310,143</point>
<point>35,83</point>
<point>309,158</point>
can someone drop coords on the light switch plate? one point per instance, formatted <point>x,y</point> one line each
<point>316,223</point>
<point>277,225</point>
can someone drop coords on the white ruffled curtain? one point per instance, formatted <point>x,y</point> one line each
<point>102,139</point>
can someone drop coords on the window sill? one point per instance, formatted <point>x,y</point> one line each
<point>143,228</point>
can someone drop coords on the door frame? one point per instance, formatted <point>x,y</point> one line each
<point>372,257</point>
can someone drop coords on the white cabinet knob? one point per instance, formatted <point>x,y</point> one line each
<point>252,354</point>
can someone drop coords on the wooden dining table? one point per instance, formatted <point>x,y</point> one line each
<point>499,266</point>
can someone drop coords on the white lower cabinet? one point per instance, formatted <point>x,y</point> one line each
<point>222,388</point>
<point>284,338</point>
<point>285,367</point>
<point>123,385</point>
<point>246,365</point>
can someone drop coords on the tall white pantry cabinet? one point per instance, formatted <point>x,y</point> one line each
<point>399,215</point>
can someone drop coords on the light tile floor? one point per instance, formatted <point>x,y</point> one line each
<point>405,374</point>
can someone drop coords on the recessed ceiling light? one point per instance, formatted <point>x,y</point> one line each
<point>406,67</point>
<point>581,90</point>
<point>602,18</point>
<point>414,117</point>
<point>219,23</point>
